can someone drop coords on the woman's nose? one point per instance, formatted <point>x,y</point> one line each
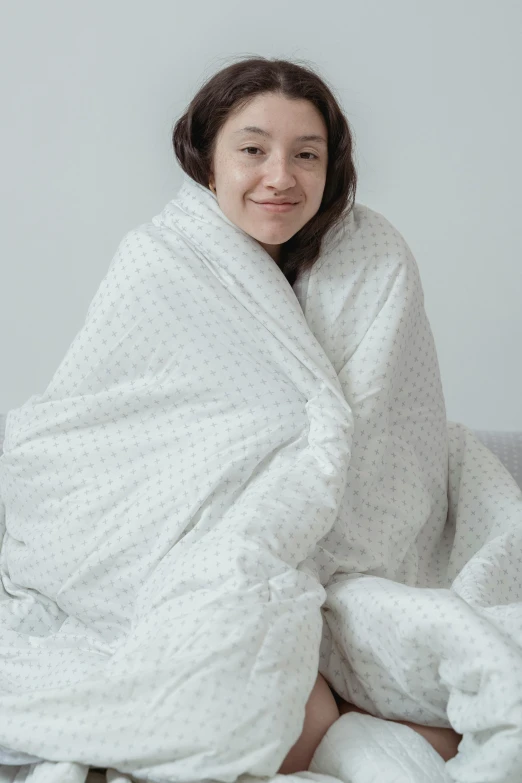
<point>279,174</point>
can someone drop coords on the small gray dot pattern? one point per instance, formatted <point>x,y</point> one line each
<point>231,484</point>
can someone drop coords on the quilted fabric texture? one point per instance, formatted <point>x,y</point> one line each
<point>229,485</point>
<point>507,446</point>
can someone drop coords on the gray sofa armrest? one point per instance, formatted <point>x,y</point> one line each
<point>507,446</point>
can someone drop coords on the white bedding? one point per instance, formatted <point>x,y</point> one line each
<point>219,494</point>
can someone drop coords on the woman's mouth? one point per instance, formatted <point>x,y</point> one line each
<point>275,207</point>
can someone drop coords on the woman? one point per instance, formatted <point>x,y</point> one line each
<point>265,133</point>
<point>165,492</point>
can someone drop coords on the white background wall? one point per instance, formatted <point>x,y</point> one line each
<point>89,95</point>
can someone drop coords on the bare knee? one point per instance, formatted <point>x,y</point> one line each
<point>320,712</point>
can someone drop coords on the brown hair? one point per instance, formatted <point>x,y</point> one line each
<point>194,138</point>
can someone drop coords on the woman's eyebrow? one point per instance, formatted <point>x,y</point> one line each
<point>255,129</point>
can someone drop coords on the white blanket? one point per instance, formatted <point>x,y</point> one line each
<point>219,494</point>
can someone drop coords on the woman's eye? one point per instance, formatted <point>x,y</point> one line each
<point>256,148</point>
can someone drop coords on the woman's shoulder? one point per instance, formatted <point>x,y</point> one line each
<point>362,218</point>
<point>368,230</point>
<point>370,245</point>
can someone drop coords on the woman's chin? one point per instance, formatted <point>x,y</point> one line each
<point>271,237</point>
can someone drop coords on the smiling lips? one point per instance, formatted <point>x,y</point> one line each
<point>270,206</point>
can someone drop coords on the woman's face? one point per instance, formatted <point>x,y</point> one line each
<point>250,167</point>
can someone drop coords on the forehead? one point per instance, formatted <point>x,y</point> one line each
<point>267,115</point>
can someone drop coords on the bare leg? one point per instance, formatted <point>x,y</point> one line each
<point>320,713</point>
<point>444,741</point>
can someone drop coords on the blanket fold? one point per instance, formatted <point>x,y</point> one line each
<point>223,490</point>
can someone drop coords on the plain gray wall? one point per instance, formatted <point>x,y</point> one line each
<point>90,92</point>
